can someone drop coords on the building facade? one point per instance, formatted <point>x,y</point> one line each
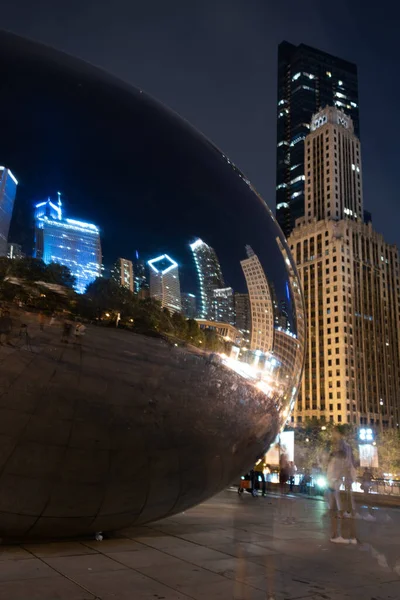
<point>227,332</point>
<point>14,250</point>
<point>308,80</point>
<point>243,315</point>
<point>75,244</point>
<point>223,306</point>
<point>189,308</point>
<point>262,318</point>
<point>210,277</point>
<point>164,282</point>
<point>139,270</point>
<point>350,279</point>
<point>8,190</point>
<point>122,273</point>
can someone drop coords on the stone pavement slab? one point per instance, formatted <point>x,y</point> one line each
<point>227,548</point>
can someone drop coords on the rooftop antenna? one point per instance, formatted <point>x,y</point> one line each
<point>59,205</point>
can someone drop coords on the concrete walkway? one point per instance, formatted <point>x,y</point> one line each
<point>227,548</point>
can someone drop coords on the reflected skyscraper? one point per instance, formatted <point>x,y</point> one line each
<point>223,306</point>
<point>139,270</point>
<point>164,282</point>
<point>75,244</point>
<point>8,189</point>
<point>122,273</point>
<point>188,305</point>
<point>210,277</point>
<point>14,250</point>
<point>243,315</point>
<point>262,333</point>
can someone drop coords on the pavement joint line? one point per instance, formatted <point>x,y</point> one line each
<point>41,558</point>
<point>139,572</point>
<point>223,556</point>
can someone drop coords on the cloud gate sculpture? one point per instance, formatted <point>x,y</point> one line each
<point>193,344</point>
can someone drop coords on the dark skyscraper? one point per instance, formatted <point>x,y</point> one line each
<point>308,80</point>
<point>8,189</point>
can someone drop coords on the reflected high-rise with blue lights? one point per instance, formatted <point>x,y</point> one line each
<point>8,189</point>
<point>75,244</point>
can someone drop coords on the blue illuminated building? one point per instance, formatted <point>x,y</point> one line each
<point>8,189</point>
<point>72,243</point>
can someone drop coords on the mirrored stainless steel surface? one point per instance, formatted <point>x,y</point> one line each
<point>162,402</point>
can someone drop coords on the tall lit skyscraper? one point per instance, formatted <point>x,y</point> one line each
<point>122,273</point>
<point>308,80</point>
<point>350,279</point>
<point>210,277</point>
<point>262,320</point>
<point>189,305</point>
<point>223,306</point>
<point>69,242</point>
<point>141,283</point>
<point>164,282</point>
<point>8,189</point>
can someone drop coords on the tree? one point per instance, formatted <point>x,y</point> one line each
<point>107,295</point>
<point>29,269</point>
<point>388,444</point>
<point>179,325</point>
<point>60,274</point>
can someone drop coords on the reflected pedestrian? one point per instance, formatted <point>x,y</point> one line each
<point>79,333</point>
<point>66,331</point>
<point>283,471</point>
<point>42,320</point>
<point>292,473</point>
<point>259,474</point>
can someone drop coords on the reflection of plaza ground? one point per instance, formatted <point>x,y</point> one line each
<point>229,548</point>
<point>122,431</point>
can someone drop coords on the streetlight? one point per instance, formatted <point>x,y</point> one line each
<point>323,428</point>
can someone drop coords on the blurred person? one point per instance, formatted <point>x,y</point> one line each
<point>283,471</point>
<point>53,319</point>
<point>338,470</point>
<point>259,473</point>
<point>366,481</point>
<point>334,476</point>
<point>6,326</point>
<point>42,320</point>
<point>66,331</point>
<point>292,472</point>
<point>79,332</point>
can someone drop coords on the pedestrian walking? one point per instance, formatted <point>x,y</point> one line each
<point>366,482</point>
<point>336,473</point>
<point>283,471</point>
<point>42,320</point>
<point>260,474</point>
<point>79,332</point>
<point>66,331</point>
<point>292,473</point>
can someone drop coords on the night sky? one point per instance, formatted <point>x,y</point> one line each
<point>214,62</point>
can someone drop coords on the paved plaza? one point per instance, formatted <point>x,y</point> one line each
<point>230,547</point>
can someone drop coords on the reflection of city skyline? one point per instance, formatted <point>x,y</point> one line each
<point>201,293</point>
<point>213,300</point>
